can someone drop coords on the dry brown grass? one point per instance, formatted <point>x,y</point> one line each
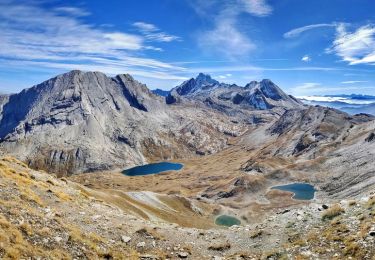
<point>12,243</point>
<point>371,202</point>
<point>23,199</point>
<point>150,232</point>
<point>256,234</point>
<point>30,196</point>
<point>274,254</point>
<point>332,212</point>
<point>220,247</point>
<point>62,195</point>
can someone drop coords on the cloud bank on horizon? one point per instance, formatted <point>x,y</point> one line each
<point>166,42</point>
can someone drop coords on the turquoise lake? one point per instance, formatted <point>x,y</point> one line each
<point>225,220</point>
<point>302,191</point>
<point>153,168</point>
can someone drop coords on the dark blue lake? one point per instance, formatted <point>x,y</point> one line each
<point>225,220</point>
<point>302,191</point>
<point>153,168</point>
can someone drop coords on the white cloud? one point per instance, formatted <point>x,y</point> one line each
<point>146,27</point>
<point>356,47</point>
<point>306,58</point>
<point>297,31</point>
<point>225,76</point>
<point>354,81</point>
<point>228,37</point>
<point>78,12</point>
<point>152,32</point>
<point>59,38</point>
<point>314,88</point>
<point>308,85</point>
<point>257,7</point>
<point>252,69</point>
<point>347,100</point>
<point>305,88</point>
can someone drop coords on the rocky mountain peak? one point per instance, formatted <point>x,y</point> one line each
<point>271,90</point>
<point>196,84</point>
<point>252,84</point>
<point>205,79</point>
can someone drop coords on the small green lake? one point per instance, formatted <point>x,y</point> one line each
<point>302,191</point>
<point>153,168</point>
<point>225,220</point>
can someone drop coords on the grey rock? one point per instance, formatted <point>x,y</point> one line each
<point>125,239</point>
<point>183,254</point>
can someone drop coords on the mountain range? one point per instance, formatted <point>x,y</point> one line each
<point>86,121</point>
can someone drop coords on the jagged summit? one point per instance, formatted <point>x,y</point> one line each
<point>257,95</point>
<point>193,85</point>
<point>205,79</point>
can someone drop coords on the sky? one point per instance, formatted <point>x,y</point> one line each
<point>309,47</point>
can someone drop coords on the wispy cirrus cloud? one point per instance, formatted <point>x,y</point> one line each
<point>306,58</point>
<point>297,31</point>
<point>356,47</point>
<point>314,88</point>
<point>257,7</point>
<point>153,33</point>
<point>308,85</point>
<point>73,11</point>
<point>32,35</point>
<point>225,76</point>
<point>227,37</point>
<point>250,68</point>
<point>226,34</point>
<point>354,81</point>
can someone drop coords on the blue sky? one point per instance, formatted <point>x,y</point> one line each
<point>310,47</point>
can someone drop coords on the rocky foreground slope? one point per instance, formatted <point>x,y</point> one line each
<point>45,217</point>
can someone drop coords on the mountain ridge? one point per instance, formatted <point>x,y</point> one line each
<point>103,122</point>
<point>258,95</point>
<point>86,121</point>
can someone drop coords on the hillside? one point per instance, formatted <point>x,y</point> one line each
<point>42,216</point>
